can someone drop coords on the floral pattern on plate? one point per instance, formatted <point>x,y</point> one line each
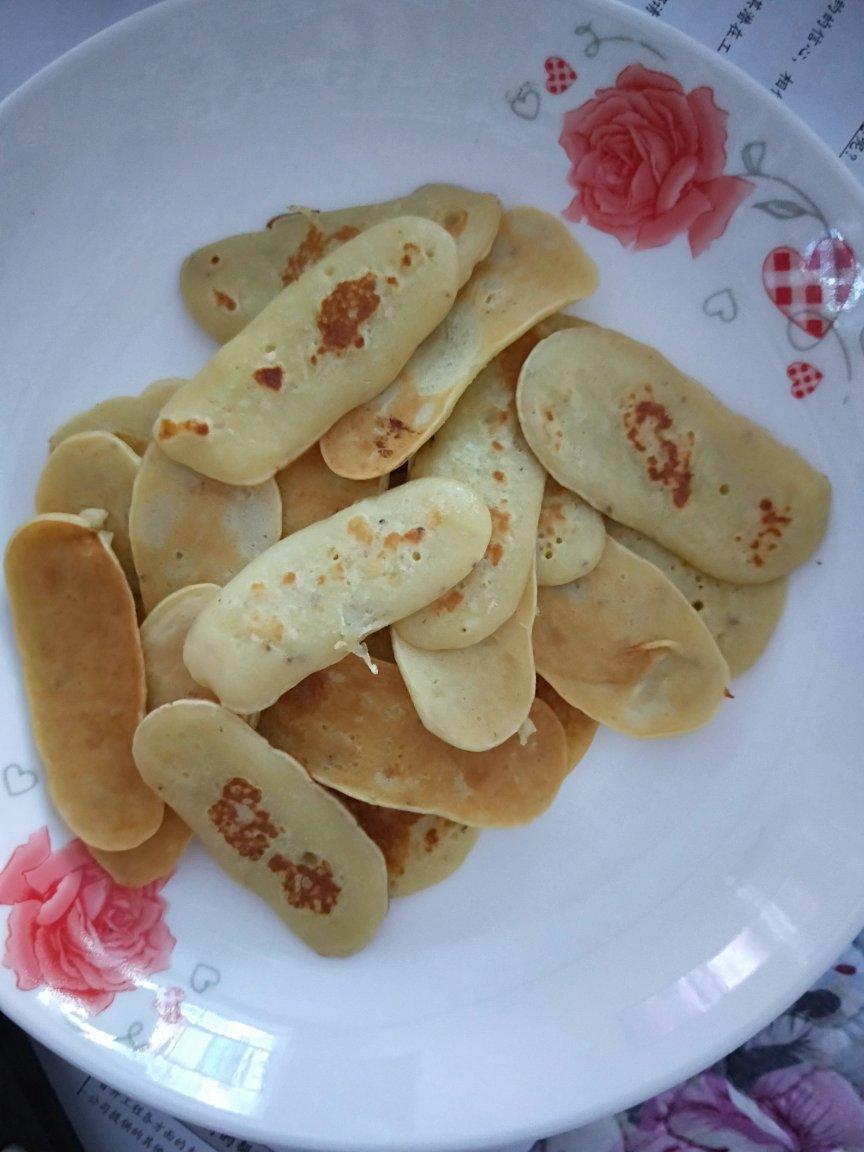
<point>648,162</point>
<point>76,931</point>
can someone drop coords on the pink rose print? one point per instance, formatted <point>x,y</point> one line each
<point>76,930</point>
<point>647,162</point>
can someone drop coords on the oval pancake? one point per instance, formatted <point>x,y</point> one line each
<point>740,617</point>
<point>419,850</point>
<point>77,635</point>
<point>264,821</point>
<point>624,646</point>
<point>188,529</point>
<point>475,698</point>
<point>226,284</point>
<point>570,536</point>
<point>129,418</point>
<point>331,340</point>
<point>482,445</point>
<point>360,735</point>
<point>650,447</point>
<point>311,492</point>
<point>93,470</point>
<point>318,593</point>
<point>535,267</point>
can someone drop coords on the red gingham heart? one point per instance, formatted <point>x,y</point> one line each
<point>559,75</point>
<point>796,290</point>
<point>811,291</point>
<point>805,378</point>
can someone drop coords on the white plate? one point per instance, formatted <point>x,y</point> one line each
<point>679,893</point>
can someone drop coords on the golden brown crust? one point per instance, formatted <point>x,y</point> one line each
<point>84,674</point>
<point>359,734</point>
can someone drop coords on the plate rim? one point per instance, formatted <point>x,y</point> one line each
<point>126,1075</point>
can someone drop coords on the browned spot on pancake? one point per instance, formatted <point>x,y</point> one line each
<point>450,601</point>
<point>500,520</point>
<point>169,428</point>
<point>269,376</point>
<point>310,249</point>
<point>647,424</point>
<point>392,281</point>
<point>498,476</point>
<point>413,536</point>
<point>771,526</point>
<point>340,315</point>
<point>407,249</point>
<point>215,259</point>
<point>393,431</point>
<point>551,515</point>
<point>455,222</point>
<point>307,885</point>
<point>319,580</point>
<point>271,630</point>
<point>314,245</point>
<point>431,839</point>
<point>497,446</point>
<point>289,578</point>
<point>242,824</point>
<point>360,528</point>
<point>549,414</point>
<point>496,417</point>
<point>500,524</point>
<point>225,301</point>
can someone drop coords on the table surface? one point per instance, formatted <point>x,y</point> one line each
<point>797,1084</point>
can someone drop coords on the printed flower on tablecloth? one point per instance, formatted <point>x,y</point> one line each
<point>823,1028</point>
<point>794,1110</point>
<point>647,162</point>
<point>74,929</point>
